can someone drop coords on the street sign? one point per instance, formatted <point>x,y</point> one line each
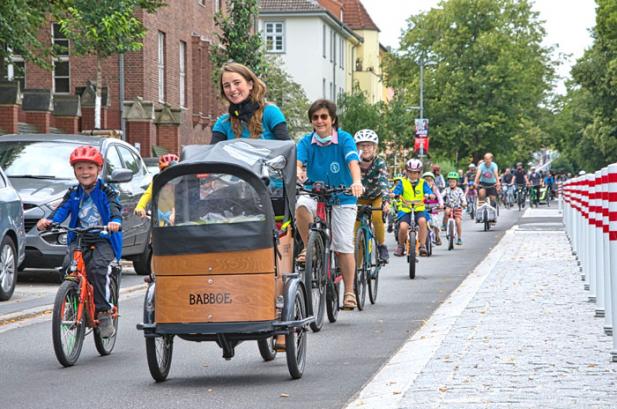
<point>421,127</point>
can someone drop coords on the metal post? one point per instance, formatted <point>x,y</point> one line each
<point>422,87</point>
<point>583,231</point>
<point>597,242</point>
<point>608,301</point>
<point>612,198</point>
<point>590,240</point>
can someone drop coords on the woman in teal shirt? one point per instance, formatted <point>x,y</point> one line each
<point>249,116</point>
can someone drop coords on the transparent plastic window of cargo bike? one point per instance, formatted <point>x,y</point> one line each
<point>207,198</point>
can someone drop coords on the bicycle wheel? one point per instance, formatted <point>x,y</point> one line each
<point>105,345</point>
<point>411,255</point>
<point>332,299</point>
<point>451,234</point>
<point>372,278</point>
<point>362,258</point>
<point>315,278</point>
<point>266,348</point>
<point>485,218</point>
<point>159,351</point>
<point>68,334</point>
<point>295,341</point>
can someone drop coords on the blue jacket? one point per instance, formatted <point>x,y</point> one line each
<point>105,199</point>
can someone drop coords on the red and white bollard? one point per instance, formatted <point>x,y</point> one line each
<point>606,252</point>
<point>612,217</point>
<point>598,247</point>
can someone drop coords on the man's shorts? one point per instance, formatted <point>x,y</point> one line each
<point>406,217</point>
<point>342,223</point>
<point>491,190</point>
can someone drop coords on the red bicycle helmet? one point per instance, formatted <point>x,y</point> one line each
<point>167,160</point>
<point>86,154</point>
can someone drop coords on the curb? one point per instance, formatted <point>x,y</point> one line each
<point>42,313</point>
<point>388,386</point>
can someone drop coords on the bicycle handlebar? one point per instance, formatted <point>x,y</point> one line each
<point>78,230</point>
<point>321,189</point>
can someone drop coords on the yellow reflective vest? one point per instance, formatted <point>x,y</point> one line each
<point>412,195</point>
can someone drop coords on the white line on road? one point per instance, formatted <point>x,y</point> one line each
<point>389,385</point>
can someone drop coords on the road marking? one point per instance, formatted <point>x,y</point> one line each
<point>388,386</point>
<point>541,213</point>
<point>42,313</point>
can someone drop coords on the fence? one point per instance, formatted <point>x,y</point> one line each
<point>590,216</point>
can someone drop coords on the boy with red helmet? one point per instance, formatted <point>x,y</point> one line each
<point>93,203</point>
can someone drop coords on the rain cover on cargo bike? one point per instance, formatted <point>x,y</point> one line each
<point>222,246</point>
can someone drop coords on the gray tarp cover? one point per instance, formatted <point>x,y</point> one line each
<point>249,154</point>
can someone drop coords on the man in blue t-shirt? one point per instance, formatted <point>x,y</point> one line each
<point>329,155</point>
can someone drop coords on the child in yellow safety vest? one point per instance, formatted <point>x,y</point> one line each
<point>411,192</point>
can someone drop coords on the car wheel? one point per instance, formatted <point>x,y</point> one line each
<point>141,263</point>
<point>8,268</point>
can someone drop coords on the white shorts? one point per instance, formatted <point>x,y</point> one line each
<point>343,220</point>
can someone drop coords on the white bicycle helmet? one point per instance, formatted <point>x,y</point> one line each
<point>414,165</point>
<point>366,135</point>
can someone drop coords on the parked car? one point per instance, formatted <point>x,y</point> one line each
<point>153,165</point>
<point>12,236</point>
<point>38,167</point>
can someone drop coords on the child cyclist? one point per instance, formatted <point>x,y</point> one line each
<point>375,182</point>
<point>412,190</point>
<point>454,200</point>
<point>167,210</point>
<point>92,203</point>
<point>434,206</point>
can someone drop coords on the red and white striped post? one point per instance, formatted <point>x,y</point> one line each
<point>606,252</point>
<point>612,217</point>
<point>598,247</point>
<point>580,225</point>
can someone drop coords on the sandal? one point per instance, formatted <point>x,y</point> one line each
<point>301,259</point>
<point>349,301</point>
<point>279,343</point>
<point>423,252</point>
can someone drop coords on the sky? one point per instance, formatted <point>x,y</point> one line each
<point>567,23</point>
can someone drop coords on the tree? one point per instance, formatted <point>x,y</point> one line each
<point>288,95</point>
<point>355,112</point>
<point>486,78</point>
<point>238,39</point>
<point>104,28</point>
<point>20,22</point>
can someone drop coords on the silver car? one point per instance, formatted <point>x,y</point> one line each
<point>12,237</point>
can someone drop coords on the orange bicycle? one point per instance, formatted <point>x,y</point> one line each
<point>74,309</point>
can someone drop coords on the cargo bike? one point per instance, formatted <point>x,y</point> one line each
<point>223,257</point>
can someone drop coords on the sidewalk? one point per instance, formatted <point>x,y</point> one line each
<point>518,333</point>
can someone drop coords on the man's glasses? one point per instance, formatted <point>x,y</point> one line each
<point>323,117</point>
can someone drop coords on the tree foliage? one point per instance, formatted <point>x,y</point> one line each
<point>486,76</point>
<point>238,39</point>
<point>585,126</point>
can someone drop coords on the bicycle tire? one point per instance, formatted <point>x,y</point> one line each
<point>411,256</point>
<point>159,352</point>
<point>361,247</point>
<point>65,306</point>
<point>295,340</point>
<point>332,300</point>
<point>373,277</point>
<point>451,234</point>
<point>485,218</point>
<point>266,348</point>
<point>104,346</point>
<point>315,278</point>
<point>429,243</point>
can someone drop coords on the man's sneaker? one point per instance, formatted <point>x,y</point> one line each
<point>382,250</point>
<point>106,324</point>
<point>459,242</point>
<point>400,251</point>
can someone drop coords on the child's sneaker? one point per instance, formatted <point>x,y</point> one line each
<point>459,242</point>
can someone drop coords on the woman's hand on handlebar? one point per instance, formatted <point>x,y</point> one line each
<point>301,174</point>
<point>43,224</point>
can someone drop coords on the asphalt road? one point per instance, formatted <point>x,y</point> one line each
<point>340,359</point>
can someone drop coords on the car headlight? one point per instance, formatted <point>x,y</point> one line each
<point>52,205</point>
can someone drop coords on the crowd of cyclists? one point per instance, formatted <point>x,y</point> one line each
<point>328,154</point>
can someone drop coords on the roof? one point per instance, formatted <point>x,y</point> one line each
<point>290,5</point>
<point>356,16</point>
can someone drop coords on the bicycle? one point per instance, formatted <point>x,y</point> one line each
<point>411,250</point>
<point>451,229</point>
<point>508,196</point>
<point>74,309</point>
<point>321,270</point>
<point>472,195</point>
<point>534,196</point>
<point>521,193</point>
<point>486,208</point>
<point>368,263</point>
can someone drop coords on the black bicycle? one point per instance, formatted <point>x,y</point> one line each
<point>368,263</point>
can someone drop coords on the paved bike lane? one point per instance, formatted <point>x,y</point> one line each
<point>517,333</point>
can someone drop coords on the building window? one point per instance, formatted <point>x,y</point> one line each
<point>324,42</point>
<point>275,37</point>
<point>15,70</point>
<point>161,66</point>
<point>331,45</point>
<point>342,53</point>
<point>218,5</point>
<point>62,66</point>
<point>182,59</point>
<point>331,91</point>
<point>202,2</point>
<point>323,86</point>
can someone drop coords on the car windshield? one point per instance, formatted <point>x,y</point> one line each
<point>37,159</point>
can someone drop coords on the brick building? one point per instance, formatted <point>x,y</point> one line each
<point>169,98</point>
